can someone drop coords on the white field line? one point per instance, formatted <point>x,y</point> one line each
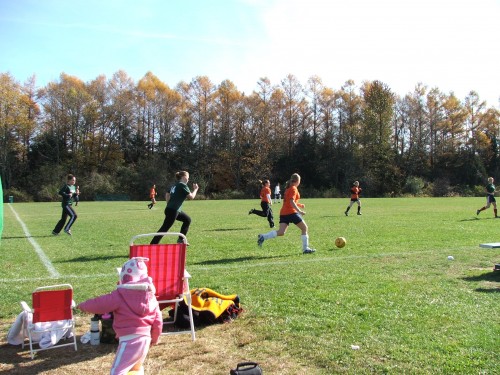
<point>46,262</point>
<point>246,265</point>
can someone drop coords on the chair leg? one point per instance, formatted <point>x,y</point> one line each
<point>74,337</point>
<point>31,345</point>
<point>191,320</point>
<point>175,311</point>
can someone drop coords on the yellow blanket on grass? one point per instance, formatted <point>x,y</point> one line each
<point>205,299</point>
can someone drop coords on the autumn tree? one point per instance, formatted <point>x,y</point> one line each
<point>378,160</point>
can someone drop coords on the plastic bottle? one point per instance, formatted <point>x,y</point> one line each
<point>94,330</point>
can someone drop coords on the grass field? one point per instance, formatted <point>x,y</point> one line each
<point>391,291</point>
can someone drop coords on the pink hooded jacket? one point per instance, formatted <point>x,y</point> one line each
<point>133,303</point>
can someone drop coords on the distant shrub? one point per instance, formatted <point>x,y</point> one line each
<point>464,191</point>
<point>228,194</point>
<point>48,193</point>
<point>441,187</point>
<point>414,186</point>
<point>18,195</point>
<point>332,193</point>
<point>478,191</point>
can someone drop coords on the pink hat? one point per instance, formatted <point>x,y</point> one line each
<point>134,270</point>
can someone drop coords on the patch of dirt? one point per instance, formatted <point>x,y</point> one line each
<point>217,349</point>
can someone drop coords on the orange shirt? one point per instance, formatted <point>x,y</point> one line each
<point>152,193</point>
<point>263,194</point>
<point>355,192</point>
<point>292,193</point>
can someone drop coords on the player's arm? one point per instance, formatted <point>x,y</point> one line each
<point>298,207</point>
<point>192,195</point>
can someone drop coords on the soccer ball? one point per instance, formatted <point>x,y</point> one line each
<point>340,242</point>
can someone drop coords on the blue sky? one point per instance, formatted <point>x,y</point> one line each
<point>450,44</point>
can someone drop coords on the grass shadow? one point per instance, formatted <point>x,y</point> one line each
<point>24,237</point>
<point>94,258</point>
<point>18,360</point>
<point>488,276</point>
<point>488,290</point>
<point>225,229</point>
<point>236,260</point>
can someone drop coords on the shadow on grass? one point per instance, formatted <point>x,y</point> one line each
<point>16,360</point>
<point>24,237</point>
<point>488,290</point>
<point>225,229</point>
<point>236,260</point>
<point>493,276</point>
<point>94,258</point>
<point>488,276</point>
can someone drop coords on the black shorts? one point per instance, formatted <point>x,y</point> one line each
<point>292,218</point>
<point>491,198</point>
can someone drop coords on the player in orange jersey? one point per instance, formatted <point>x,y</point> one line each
<point>152,196</point>
<point>265,203</point>
<point>291,212</point>
<point>355,191</point>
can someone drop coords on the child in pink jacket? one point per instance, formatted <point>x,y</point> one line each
<point>137,316</point>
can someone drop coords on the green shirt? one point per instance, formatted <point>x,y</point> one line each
<point>67,192</point>
<point>178,194</point>
<point>490,188</point>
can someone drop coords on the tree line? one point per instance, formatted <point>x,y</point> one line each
<point>120,137</point>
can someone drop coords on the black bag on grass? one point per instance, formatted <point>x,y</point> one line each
<point>246,368</point>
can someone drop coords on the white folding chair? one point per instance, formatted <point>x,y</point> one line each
<point>52,315</point>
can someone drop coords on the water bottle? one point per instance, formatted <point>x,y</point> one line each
<point>94,330</point>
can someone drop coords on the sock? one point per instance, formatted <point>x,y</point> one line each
<point>138,372</point>
<point>495,212</point>
<point>305,241</point>
<point>269,235</point>
<point>348,208</point>
<point>359,209</point>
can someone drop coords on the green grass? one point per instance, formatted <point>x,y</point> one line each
<point>391,290</point>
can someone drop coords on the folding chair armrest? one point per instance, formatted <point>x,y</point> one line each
<point>187,275</point>
<point>25,307</point>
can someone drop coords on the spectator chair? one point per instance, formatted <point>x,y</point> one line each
<point>166,267</point>
<point>50,318</point>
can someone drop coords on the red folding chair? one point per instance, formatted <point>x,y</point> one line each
<point>166,267</point>
<point>52,312</point>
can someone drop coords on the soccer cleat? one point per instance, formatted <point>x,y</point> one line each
<point>346,213</point>
<point>359,213</point>
<point>308,250</point>
<point>477,212</point>
<point>251,211</point>
<point>55,233</point>
<point>271,225</point>
<point>260,240</point>
<point>68,232</point>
